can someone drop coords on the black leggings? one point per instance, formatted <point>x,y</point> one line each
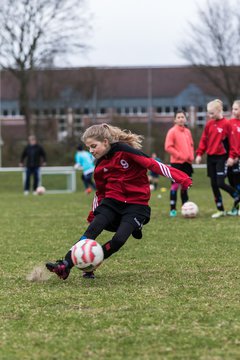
<point>101,222</point>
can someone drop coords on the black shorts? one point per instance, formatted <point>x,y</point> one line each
<point>135,214</point>
<point>216,166</point>
<point>185,167</point>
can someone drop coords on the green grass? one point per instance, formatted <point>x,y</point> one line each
<point>172,295</point>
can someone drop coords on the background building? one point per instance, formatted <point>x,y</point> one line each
<point>65,101</point>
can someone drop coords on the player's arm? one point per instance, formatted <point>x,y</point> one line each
<point>159,168</point>
<point>233,148</point>
<point>98,197</point>
<point>203,142</point>
<point>23,156</point>
<point>170,145</point>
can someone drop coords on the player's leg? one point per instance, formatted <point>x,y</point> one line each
<point>235,182</point>
<point>173,199</point>
<point>84,181</point>
<point>27,181</point>
<point>35,178</point>
<point>91,183</point>
<point>221,172</point>
<point>118,240</point>
<point>63,267</point>
<point>184,196</point>
<point>212,174</point>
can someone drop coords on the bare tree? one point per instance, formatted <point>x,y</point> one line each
<point>213,46</point>
<point>33,33</point>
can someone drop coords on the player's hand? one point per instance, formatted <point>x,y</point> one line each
<point>230,162</point>
<point>198,159</point>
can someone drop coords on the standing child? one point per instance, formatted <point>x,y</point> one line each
<point>179,144</point>
<point>152,176</point>
<point>217,142</point>
<point>121,201</point>
<point>234,171</point>
<point>85,161</point>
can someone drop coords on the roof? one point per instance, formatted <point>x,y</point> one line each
<point>109,82</point>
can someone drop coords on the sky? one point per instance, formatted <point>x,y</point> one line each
<point>137,32</point>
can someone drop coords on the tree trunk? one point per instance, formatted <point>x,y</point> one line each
<point>24,101</point>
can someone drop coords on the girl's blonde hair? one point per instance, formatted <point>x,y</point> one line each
<point>113,134</point>
<point>216,104</point>
<point>237,102</point>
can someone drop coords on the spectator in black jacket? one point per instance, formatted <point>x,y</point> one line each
<point>35,157</point>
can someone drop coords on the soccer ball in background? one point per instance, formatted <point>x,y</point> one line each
<point>87,254</point>
<point>40,190</point>
<point>189,209</point>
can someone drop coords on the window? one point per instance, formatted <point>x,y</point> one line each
<point>62,111</point>
<point>159,109</point>
<point>86,111</point>
<point>102,111</point>
<point>13,112</point>
<point>119,111</point>
<point>143,110</point>
<point>135,110</point>
<point>5,112</point>
<point>167,109</point>
<point>225,108</point>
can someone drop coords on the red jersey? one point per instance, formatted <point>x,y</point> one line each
<point>122,175</point>
<point>217,139</point>
<point>235,124</point>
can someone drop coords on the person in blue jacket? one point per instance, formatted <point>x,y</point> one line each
<point>85,161</point>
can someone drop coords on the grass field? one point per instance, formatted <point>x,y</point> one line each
<point>175,294</point>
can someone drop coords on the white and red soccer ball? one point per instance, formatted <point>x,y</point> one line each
<point>87,254</point>
<point>40,190</point>
<point>189,209</point>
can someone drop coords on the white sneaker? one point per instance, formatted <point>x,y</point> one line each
<point>233,212</point>
<point>26,192</point>
<point>218,214</point>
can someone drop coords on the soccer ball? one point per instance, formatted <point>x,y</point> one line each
<point>40,190</point>
<point>189,209</point>
<point>87,254</point>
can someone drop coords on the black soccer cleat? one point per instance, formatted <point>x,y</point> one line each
<point>60,268</point>
<point>88,275</point>
<point>236,202</point>
<point>137,234</point>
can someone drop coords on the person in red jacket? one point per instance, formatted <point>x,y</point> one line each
<point>179,144</point>
<point>217,141</point>
<point>123,192</point>
<point>234,171</point>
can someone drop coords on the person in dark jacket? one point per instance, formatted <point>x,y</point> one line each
<point>35,157</point>
<point>122,196</point>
